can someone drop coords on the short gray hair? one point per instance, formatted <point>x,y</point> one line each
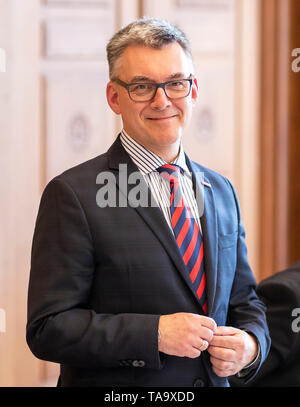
<point>148,32</point>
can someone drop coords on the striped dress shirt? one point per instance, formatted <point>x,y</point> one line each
<point>147,162</point>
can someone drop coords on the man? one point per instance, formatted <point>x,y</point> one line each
<point>139,295</point>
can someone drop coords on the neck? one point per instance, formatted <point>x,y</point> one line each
<point>167,153</point>
<point>168,157</point>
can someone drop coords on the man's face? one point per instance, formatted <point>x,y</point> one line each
<point>157,124</point>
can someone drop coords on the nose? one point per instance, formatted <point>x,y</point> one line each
<point>160,101</point>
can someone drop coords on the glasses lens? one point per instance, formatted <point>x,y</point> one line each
<point>142,91</point>
<point>178,89</point>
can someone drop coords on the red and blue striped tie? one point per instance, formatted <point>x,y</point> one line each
<point>187,233</point>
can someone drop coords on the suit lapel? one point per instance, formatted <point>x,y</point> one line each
<point>152,215</point>
<point>206,206</point>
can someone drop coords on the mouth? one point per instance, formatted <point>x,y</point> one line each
<point>162,118</point>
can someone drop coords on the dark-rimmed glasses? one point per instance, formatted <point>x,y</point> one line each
<point>146,91</point>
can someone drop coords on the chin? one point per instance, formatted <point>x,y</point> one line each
<point>168,138</point>
<point>170,134</point>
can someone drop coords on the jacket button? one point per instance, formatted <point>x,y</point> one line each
<point>138,363</point>
<point>199,383</point>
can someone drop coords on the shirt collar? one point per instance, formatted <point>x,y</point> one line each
<point>145,159</point>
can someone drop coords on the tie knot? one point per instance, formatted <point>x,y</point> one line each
<point>169,171</point>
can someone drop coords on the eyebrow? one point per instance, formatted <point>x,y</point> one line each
<point>177,75</point>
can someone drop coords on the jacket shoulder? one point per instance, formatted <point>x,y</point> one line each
<point>82,174</point>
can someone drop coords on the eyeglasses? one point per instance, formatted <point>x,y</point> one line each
<point>146,91</point>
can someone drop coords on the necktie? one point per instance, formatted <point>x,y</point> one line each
<point>187,233</point>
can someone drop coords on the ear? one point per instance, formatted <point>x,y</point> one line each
<point>112,97</point>
<point>194,90</point>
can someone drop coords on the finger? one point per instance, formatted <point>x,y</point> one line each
<point>223,369</point>
<point>218,372</point>
<point>228,342</point>
<point>208,323</point>
<point>193,353</point>
<point>204,345</point>
<point>200,344</point>
<point>222,373</point>
<point>221,364</point>
<point>225,330</point>
<point>222,353</point>
<point>206,334</point>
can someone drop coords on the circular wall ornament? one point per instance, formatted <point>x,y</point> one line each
<point>204,125</point>
<point>79,133</point>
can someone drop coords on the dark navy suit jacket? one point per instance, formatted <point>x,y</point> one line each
<point>101,277</point>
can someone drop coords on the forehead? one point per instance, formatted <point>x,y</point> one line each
<point>155,64</point>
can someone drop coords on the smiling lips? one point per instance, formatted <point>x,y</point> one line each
<point>161,118</point>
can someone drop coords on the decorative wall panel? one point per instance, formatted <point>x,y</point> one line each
<point>85,3</point>
<point>210,137</point>
<point>79,125</point>
<point>209,24</point>
<point>75,38</point>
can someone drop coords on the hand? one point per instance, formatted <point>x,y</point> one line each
<point>230,350</point>
<point>184,334</point>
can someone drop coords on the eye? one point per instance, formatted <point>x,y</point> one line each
<point>176,84</point>
<point>141,87</point>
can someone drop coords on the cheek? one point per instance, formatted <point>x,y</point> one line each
<point>129,112</point>
<point>188,109</point>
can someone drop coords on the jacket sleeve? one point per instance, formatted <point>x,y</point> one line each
<point>246,310</point>
<point>61,326</point>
